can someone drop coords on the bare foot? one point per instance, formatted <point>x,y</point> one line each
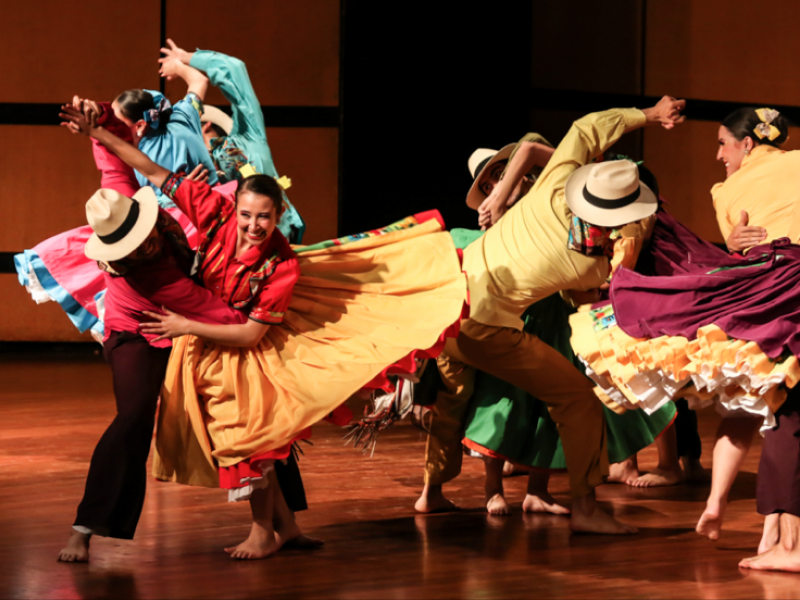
<point>542,502</point>
<point>588,517</point>
<point>261,543</point>
<point>771,533</point>
<point>694,471</point>
<point>657,478</point>
<point>776,558</point>
<point>710,523</point>
<point>77,549</point>
<point>497,505</point>
<point>624,471</point>
<point>432,500</point>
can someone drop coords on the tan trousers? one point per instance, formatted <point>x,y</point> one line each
<point>525,361</point>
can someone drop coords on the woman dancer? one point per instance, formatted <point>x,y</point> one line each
<point>308,344</point>
<point>239,141</point>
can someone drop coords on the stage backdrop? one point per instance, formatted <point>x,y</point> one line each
<point>51,52</point>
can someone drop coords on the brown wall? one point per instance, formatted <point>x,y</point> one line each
<point>292,53</point>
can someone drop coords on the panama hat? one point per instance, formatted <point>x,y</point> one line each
<point>120,224</point>
<point>480,160</point>
<point>211,114</point>
<point>609,194</point>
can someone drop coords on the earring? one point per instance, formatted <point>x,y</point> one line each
<point>746,151</point>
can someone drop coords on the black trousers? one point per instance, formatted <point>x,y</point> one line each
<point>778,488</point>
<point>117,480</point>
<point>686,431</point>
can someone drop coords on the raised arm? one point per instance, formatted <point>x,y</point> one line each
<point>77,122</point>
<point>230,75</point>
<point>196,82</point>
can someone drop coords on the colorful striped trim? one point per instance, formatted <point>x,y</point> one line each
<point>267,317</point>
<point>406,223</point>
<point>170,185</point>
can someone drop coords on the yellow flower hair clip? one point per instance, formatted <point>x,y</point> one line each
<point>766,129</point>
<point>285,183</point>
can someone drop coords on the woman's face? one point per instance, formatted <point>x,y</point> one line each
<point>256,217</point>
<point>491,177</point>
<point>138,128</point>
<point>731,151</point>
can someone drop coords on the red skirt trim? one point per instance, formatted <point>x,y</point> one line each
<point>231,477</point>
<point>492,454</point>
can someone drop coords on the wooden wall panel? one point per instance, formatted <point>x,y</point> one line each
<point>24,320</point>
<point>584,46</point>
<point>309,157</point>
<point>52,50</point>
<point>46,177</point>
<point>291,48</point>
<point>723,50</point>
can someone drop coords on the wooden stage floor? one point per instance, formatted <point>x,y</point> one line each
<point>55,408</point>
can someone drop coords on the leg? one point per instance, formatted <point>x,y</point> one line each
<point>668,471</point>
<point>287,532</point>
<point>528,363</point>
<point>262,541</point>
<point>443,452</point>
<point>734,437</point>
<point>689,445</point>
<point>538,499</point>
<point>495,498</point>
<point>783,556</point>
<point>771,533</point>
<point>117,479</point>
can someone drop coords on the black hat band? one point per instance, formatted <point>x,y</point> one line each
<point>124,228</point>
<point>611,204</point>
<point>482,165</point>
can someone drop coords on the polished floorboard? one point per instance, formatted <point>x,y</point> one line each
<point>54,409</point>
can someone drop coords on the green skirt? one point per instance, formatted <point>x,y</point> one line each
<point>507,422</point>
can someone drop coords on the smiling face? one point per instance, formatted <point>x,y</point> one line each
<point>732,151</point>
<point>256,218</point>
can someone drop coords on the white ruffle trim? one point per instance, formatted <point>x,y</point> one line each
<point>253,483</point>
<point>36,290</point>
<point>654,389</point>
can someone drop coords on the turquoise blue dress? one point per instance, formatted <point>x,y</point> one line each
<point>247,141</point>
<point>176,142</point>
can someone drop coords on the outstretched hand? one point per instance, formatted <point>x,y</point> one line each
<point>667,111</point>
<point>170,68</point>
<point>199,174</point>
<point>166,326</point>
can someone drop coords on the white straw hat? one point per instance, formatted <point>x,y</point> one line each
<point>482,159</point>
<point>212,114</point>
<point>609,194</point>
<point>120,224</point>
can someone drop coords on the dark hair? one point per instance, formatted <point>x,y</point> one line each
<point>263,185</point>
<point>134,103</point>
<point>219,131</point>
<point>742,123</point>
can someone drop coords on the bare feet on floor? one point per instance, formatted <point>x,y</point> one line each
<point>624,471</point>
<point>710,523</point>
<point>302,542</point>
<point>497,505</point>
<point>783,556</point>
<point>261,543</point>
<point>658,477</point>
<point>77,548</point>
<point>543,503</point>
<point>694,471</point>
<point>432,500</point>
<point>771,533</point>
<point>588,517</point>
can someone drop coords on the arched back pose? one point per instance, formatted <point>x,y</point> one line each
<point>238,141</point>
<point>321,326</point>
<point>546,243</point>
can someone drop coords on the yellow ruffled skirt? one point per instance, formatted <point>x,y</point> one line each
<point>645,373</point>
<point>361,304</point>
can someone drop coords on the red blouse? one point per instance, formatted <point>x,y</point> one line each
<point>260,282</point>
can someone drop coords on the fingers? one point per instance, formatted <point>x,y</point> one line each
<point>157,316</point>
<point>171,44</point>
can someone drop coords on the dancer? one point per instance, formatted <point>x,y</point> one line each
<point>541,247</point>
<point>146,259</point>
<point>238,141</point>
<point>309,343</point>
